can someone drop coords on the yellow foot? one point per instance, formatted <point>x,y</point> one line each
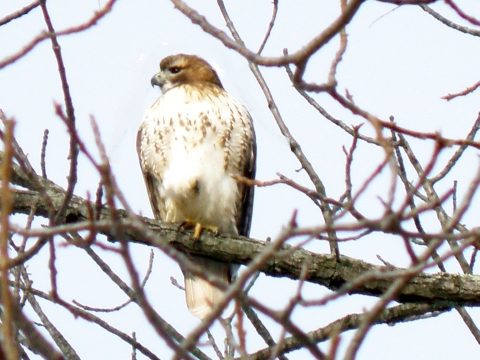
<point>198,228</point>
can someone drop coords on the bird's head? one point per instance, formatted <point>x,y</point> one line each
<point>184,69</point>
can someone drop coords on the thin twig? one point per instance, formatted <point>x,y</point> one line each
<point>458,153</point>
<point>379,125</point>
<point>73,151</point>
<point>56,335</point>
<point>19,13</point>
<point>270,27</point>
<point>294,145</point>
<point>121,306</point>
<point>296,58</point>
<point>43,154</point>
<point>449,23</point>
<point>44,35</point>
<point>158,323</point>
<point>461,13</point>
<point>391,316</point>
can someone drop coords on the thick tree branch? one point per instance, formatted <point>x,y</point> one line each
<point>434,289</point>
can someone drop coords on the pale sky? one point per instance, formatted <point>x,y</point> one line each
<point>398,62</point>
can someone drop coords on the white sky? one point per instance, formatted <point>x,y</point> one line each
<point>398,63</point>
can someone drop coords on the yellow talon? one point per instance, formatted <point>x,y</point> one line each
<point>211,228</point>
<point>198,228</point>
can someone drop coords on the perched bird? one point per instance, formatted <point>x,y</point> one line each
<point>190,143</point>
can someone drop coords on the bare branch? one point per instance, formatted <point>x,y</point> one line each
<point>299,58</point>
<point>70,118</point>
<point>449,23</point>
<point>462,14</point>
<point>270,27</point>
<point>392,315</point>
<point>56,335</point>
<point>467,91</point>
<point>43,154</point>
<point>45,35</point>
<point>19,13</point>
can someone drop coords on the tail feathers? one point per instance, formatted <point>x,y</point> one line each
<point>200,294</point>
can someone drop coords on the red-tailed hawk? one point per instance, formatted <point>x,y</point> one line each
<point>190,143</point>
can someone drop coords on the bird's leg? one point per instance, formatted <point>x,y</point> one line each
<point>198,231</point>
<point>198,228</point>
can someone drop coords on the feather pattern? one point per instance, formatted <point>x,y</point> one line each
<point>190,143</point>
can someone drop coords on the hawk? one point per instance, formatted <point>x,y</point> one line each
<point>192,142</point>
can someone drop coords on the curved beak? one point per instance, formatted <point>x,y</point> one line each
<point>158,79</point>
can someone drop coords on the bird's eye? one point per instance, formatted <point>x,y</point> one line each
<point>175,70</point>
